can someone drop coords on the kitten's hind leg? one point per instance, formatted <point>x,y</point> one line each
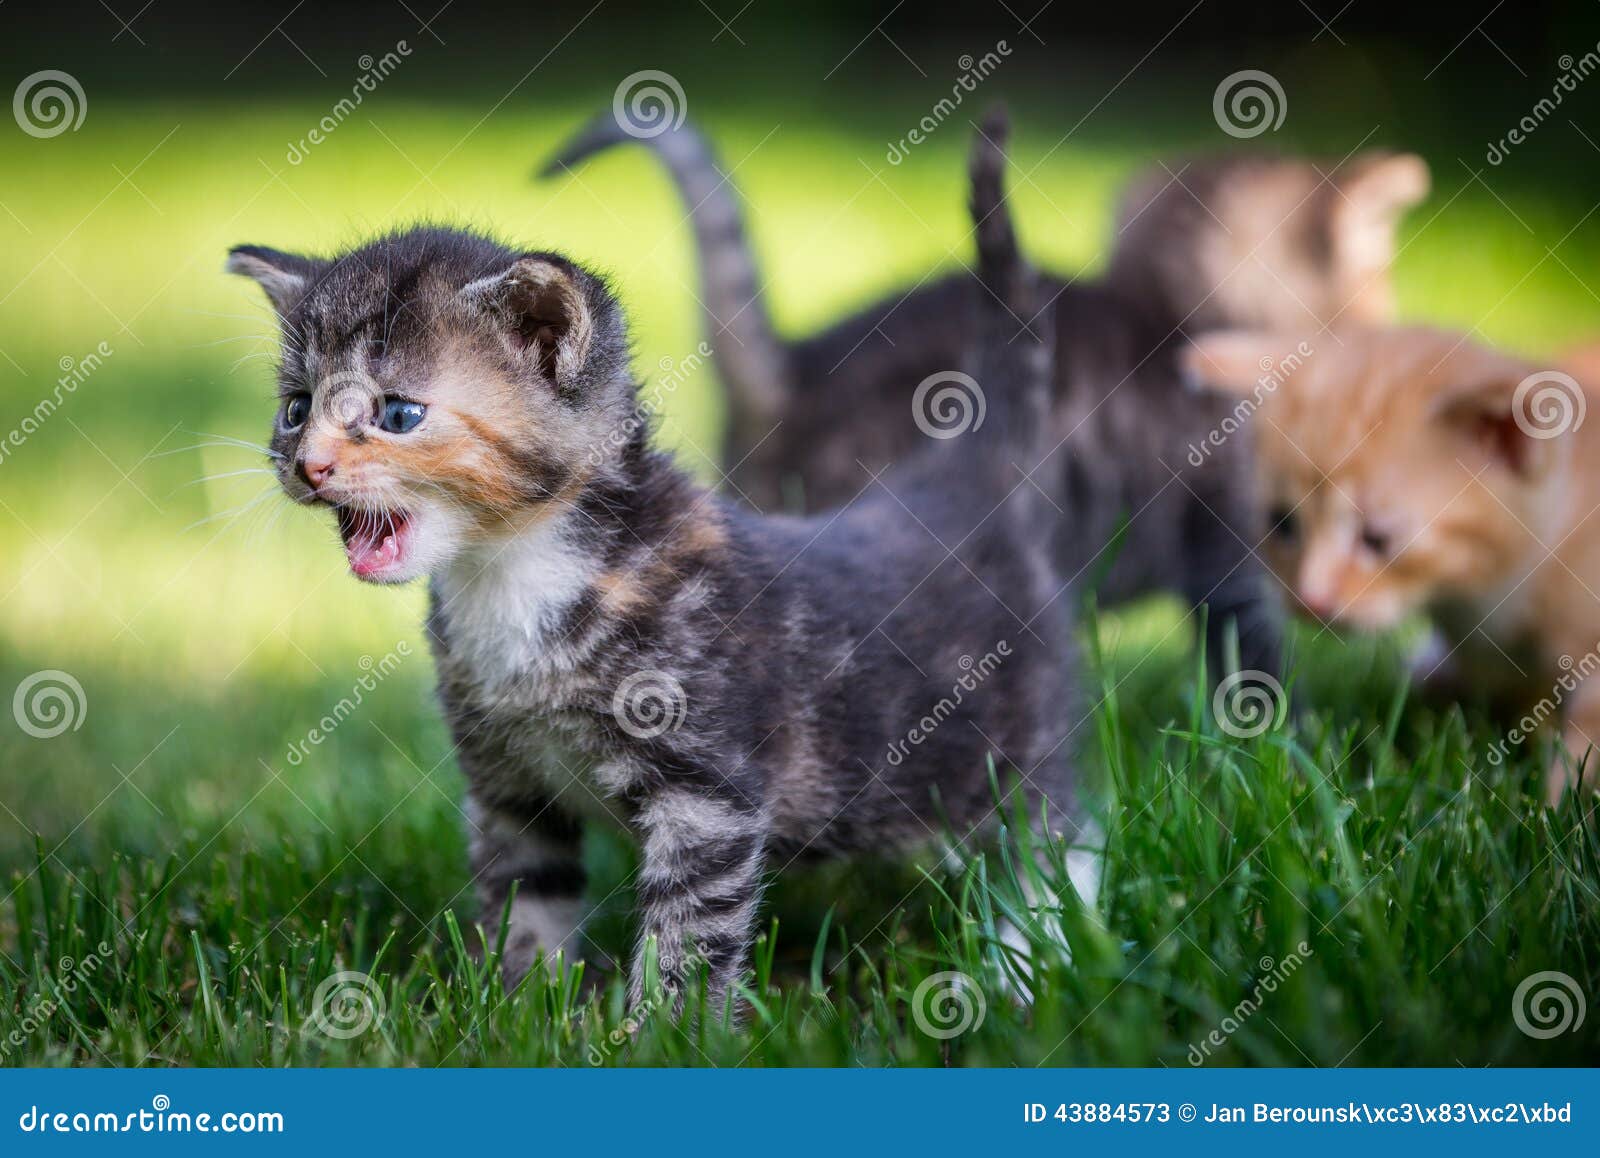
<point>535,849</point>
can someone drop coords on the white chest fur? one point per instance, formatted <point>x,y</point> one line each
<point>505,608</point>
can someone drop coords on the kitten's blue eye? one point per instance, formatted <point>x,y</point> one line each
<point>296,411</point>
<point>401,417</point>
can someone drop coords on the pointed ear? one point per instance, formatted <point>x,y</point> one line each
<point>542,313</point>
<point>1236,361</point>
<point>1514,414</point>
<point>284,276</point>
<point>1373,193</point>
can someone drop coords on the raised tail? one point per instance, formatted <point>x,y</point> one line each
<point>752,361</point>
<point>1014,342</point>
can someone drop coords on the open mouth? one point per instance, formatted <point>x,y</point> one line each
<point>375,542</point>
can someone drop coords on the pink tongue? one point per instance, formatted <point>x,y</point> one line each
<point>372,551</point>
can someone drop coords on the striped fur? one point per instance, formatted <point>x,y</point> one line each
<point>616,645</point>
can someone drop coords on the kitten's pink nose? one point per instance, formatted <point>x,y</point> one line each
<point>1319,603</point>
<point>315,469</point>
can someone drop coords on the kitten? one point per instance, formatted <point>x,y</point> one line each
<point>615,644</point>
<point>1412,470</point>
<point>811,420</point>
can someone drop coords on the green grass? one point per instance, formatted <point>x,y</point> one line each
<point>230,882</point>
<point>1410,892</point>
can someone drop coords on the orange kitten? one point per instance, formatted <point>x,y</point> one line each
<point>1410,470</point>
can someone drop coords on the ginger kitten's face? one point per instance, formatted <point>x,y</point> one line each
<point>431,392</point>
<point>1395,473</point>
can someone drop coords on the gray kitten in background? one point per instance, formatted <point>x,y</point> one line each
<point>1247,240</point>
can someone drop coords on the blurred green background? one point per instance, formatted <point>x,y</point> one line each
<point>210,626</point>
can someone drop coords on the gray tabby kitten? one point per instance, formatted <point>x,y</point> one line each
<point>617,645</point>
